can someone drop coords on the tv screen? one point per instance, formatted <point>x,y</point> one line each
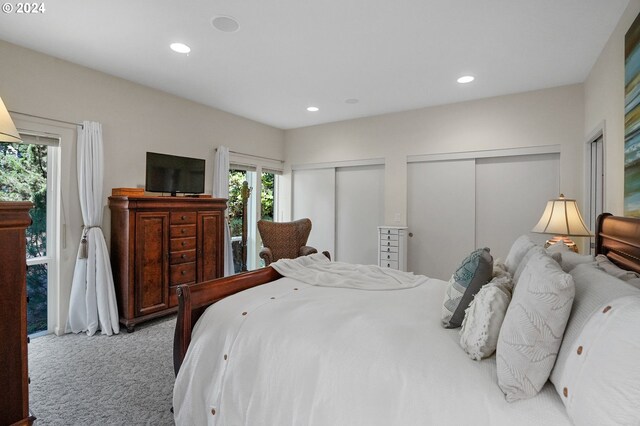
<point>170,173</point>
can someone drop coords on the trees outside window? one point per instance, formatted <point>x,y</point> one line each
<point>23,177</point>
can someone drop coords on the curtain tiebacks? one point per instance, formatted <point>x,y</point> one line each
<point>84,251</point>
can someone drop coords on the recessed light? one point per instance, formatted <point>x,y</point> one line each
<point>227,24</point>
<point>180,47</point>
<point>313,109</point>
<point>466,79</point>
<point>352,101</point>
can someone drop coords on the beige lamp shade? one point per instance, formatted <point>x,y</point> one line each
<point>562,217</point>
<point>8,131</point>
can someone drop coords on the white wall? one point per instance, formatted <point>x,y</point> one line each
<point>604,106</point>
<point>545,117</point>
<point>135,119</point>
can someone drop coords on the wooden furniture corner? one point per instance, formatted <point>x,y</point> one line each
<point>14,375</point>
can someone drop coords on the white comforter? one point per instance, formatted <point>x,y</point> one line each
<point>290,353</point>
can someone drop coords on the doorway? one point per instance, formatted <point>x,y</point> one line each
<point>29,172</point>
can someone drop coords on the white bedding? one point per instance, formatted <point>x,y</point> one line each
<point>311,355</point>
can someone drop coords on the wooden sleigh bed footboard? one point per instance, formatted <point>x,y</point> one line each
<point>194,299</point>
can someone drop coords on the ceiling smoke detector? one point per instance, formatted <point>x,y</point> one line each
<point>226,24</point>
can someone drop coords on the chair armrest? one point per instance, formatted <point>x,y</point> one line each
<point>265,253</point>
<point>306,250</point>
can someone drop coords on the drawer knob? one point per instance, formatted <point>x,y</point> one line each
<point>388,238</point>
<point>183,217</point>
<point>184,256</point>
<point>184,243</point>
<point>388,257</point>
<point>388,250</point>
<point>388,231</point>
<point>182,231</point>
<point>183,272</point>
<point>388,265</point>
<point>388,244</point>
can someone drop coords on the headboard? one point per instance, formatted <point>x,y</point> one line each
<point>618,238</point>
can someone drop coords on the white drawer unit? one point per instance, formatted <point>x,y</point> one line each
<point>392,247</point>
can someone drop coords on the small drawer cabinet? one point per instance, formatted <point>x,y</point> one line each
<point>158,243</point>
<point>392,247</point>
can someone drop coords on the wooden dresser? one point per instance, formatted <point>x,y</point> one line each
<point>14,376</point>
<point>158,243</point>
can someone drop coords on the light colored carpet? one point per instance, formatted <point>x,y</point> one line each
<point>123,379</point>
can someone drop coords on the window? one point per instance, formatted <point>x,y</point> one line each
<point>27,173</point>
<point>595,183</point>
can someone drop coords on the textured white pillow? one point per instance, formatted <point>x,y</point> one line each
<point>533,326</point>
<point>483,318</point>
<point>611,268</point>
<point>557,256</point>
<point>518,249</point>
<point>601,382</point>
<point>594,287</point>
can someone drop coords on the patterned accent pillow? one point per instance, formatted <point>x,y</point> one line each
<point>474,272</point>
<point>484,317</point>
<point>533,326</point>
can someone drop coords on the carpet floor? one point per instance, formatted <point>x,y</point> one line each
<point>122,379</point>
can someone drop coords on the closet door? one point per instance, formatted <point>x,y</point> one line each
<point>441,216</point>
<point>511,194</point>
<point>359,212</point>
<point>314,197</point>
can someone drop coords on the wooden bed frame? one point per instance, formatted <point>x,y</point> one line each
<point>617,237</point>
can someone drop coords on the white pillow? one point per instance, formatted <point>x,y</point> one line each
<point>611,268</point>
<point>518,249</point>
<point>571,259</point>
<point>557,256</point>
<point>483,318</point>
<point>594,287</point>
<point>601,382</point>
<point>533,327</point>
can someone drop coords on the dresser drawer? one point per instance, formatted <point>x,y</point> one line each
<point>182,273</point>
<point>388,231</point>
<point>182,256</point>
<point>388,243</point>
<point>386,256</point>
<point>389,237</point>
<point>178,231</point>
<point>181,244</point>
<point>388,250</point>
<point>393,264</point>
<point>179,218</point>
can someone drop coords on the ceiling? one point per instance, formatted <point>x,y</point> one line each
<point>290,54</point>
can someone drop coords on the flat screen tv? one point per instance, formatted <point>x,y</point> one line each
<point>173,174</point>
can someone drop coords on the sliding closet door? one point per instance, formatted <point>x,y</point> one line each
<point>441,204</point>
<point>511,193</point>
<point>359,212</point>
<point>314,197</point>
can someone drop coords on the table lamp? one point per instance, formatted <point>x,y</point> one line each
<point>562,217</point>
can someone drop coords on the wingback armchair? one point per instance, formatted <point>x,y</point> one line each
<point>285,240</point>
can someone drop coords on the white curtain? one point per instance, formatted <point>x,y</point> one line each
<point>93,299</point>
<point>221,190</point>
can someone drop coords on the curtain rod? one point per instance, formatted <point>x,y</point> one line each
<point>255,156</point>
<point>47,118</point>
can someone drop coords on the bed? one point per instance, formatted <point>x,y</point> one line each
<point>281,351</point>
